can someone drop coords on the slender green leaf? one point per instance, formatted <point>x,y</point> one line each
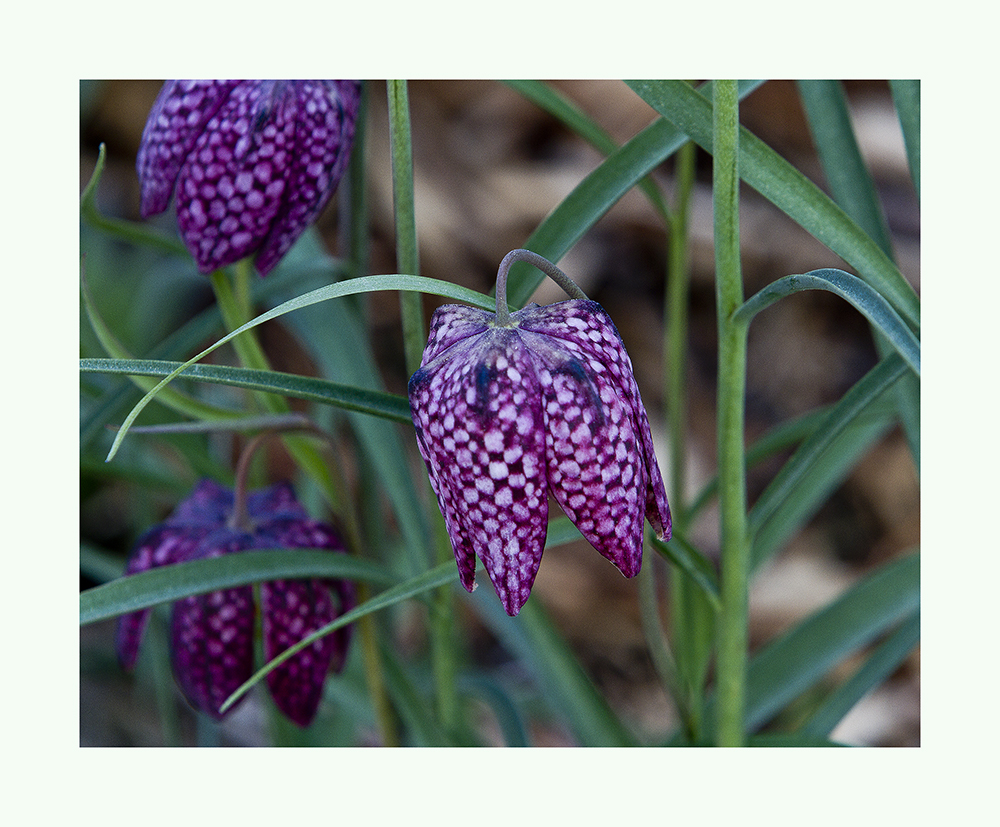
<point>185,405</point>
<point>363,284</point>
<point>168,583</point>
<point>906,96</point>
<point>414,708</point>
<point>567,690</point>
<point>508,716</point>
<point>788,189</point>
<point>693,563</point>
<point>789,484</point>
<point>425,582</point>
<point>127,230</point>
<point>115,402</point>
<point>820,480</point>
<point>779,438</point>
<point>576,119</point>
<point>876,669</point>
<point>375,403</point>
<point>596,194</point>
<point>851,184</point>
<point>788,666</point>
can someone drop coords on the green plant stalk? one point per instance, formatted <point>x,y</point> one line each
<point>733,631</point>
<point>407,255</point>
<point>689,612</point>
<point>236,310</point>
<point>442,610</point>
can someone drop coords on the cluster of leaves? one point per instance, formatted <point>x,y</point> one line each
<point>320,300</point>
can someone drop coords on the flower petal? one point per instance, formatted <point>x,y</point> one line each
<point>277,502</point>
<point>160,546</point>
<point>210,504</point>
<point>479,422</point>
<point>291,610</point>
<point>212,634</point>
<point>586,329</point>
<point>177,118</point>
<point>232,183</point>
<point>450,324</point>
<point>595,469</point>
<point>324,116</point>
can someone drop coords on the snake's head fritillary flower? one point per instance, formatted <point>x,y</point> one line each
<point>512,407</point>
<point>212,650</point>
<point>252,163</point>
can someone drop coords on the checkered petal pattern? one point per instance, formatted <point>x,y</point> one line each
<point>252,163</point>
<point>212,651</point>
<point>507,415</point>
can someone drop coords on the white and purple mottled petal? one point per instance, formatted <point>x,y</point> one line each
<point>325,114</point>
<point>162,545</point>
<point>212,634</point>
<point>293,609</point>
<point>251,163</point>
<point>509,408</point>
<point>477,411</point>
<point>232,183</point>
<point>177,118</point>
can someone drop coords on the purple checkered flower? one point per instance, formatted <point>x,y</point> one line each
<point>512,407</point>
<point>251,162</point>
<point>212,634</point>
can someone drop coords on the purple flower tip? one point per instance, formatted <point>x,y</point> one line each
<point>507,415</point>
<point>252,162</point>
<point>212,634</point>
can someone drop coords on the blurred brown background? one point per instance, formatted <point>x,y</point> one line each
<point>489,166</point>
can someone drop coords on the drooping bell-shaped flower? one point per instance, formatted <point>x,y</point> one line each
<point>212,650</point>
<point>252,163</point>
<point>512,407</point>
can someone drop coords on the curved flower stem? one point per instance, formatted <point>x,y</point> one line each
<point>733,621</point>
<point>571,288</point>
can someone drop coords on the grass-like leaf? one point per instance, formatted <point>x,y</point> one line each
<point>596,194</point>
<point>168,583</point>
<point>875,308</point>
<point>576,119</point>
<point>567,689</point>
<point>851,184</point>
<point>788,666</point>
<point>140,234</point>
<point>789,484</point>
<point>886,658</point>
<point>796,660</point>
<point>363,284</point>
<point>694,564</point>
<point>906,96</point>
<point>788,189</point>
<point>375,403</point>
<point>425,582</point>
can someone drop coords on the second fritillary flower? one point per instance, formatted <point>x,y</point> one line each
<point>511,407</point>
<point>212,635</point>
<point>251,163</point>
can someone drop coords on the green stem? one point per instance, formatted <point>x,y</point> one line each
<point>442,611</point>
<point>691,619</point>
<point>407,255</point>
<point>676,333</point>
<point>733,631</point>
<point>236,309</point>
